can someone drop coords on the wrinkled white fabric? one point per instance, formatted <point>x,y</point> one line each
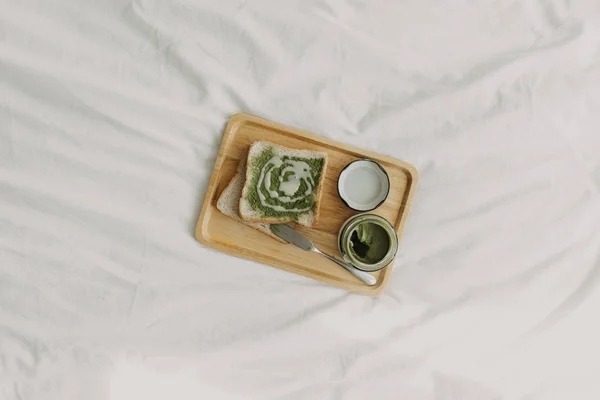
<point>111,114</point>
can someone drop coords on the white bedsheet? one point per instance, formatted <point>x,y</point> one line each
<point>111,114</point>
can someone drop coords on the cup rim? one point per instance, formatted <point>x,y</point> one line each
<point>384,198</point>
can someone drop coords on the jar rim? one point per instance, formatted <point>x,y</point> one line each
<point>344,236</point>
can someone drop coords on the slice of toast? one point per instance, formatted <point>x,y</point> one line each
<point>229,201</point>
<point>282,185</point>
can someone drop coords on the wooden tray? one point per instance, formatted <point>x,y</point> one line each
<point>223,233</point>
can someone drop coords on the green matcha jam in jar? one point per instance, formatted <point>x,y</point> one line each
<point>368,241</point>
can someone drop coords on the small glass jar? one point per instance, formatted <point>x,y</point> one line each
<point>345,246</point>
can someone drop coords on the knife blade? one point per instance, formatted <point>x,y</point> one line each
<point>288,234</point>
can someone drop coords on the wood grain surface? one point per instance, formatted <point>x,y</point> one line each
<point>225,234</point>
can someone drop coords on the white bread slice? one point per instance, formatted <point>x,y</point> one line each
<point>306,218</point>
<point>229,201</point>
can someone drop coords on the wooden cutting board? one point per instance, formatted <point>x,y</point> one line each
<point>225,234</point>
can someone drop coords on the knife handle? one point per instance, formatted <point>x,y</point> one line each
<point>363,276</point>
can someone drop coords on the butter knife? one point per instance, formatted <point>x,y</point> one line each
<point>288,234</point>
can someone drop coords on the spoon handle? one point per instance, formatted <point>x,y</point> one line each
<point>363,276</point>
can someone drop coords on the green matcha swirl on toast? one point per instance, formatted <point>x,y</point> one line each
<point>282,185</point>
